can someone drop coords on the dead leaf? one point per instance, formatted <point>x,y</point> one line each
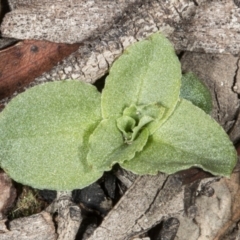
<point>23,62</point>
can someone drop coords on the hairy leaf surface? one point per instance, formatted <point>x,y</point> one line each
<point>148,72</point>
<point>64,135</point>
<point>194,90</point>
<point>189,138</point>
<point>107,146</point>
<point>44,135</point>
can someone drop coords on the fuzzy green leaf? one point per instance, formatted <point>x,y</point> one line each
<point>148,71</point>
<point>194,90</point>
<point>64,135</point>
<point>107,146</point>
<point>135,118</point>
<point>189,138</point>
<point>126,125</point>
<point>44,135</point>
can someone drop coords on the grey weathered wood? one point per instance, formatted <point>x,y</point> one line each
<point>36,227</point>
<point>120,222</point>
<point>210,26</point>
<point>168,202</point>
<point>69,215</point>
<point>64,21</point>
<point>152,199</point>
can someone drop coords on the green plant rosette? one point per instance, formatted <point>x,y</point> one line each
<point>64,135</point>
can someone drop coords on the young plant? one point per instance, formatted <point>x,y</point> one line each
<point>64,135</point>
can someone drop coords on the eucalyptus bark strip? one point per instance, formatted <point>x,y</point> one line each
<point>134,204</point>
<point>36,227</point>
<point>69,214</point>
<point>208,26</point>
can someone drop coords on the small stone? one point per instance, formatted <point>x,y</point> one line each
<point>93,197</point>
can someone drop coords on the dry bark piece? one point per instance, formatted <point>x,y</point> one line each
<point>23,62</point>
<point>152,199</point>
<point>59,21</point>
<point>234,191</point>
<point>120,221</point>
<point>147,202</point>
<point>190,26</point>
<point>212,211</point>
<point>195,26</point>
<point>36,227</point>
<point>69,216</point>
<point>7,193</point>
<point>214,216</point>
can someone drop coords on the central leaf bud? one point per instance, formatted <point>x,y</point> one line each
<point>135,118</point>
